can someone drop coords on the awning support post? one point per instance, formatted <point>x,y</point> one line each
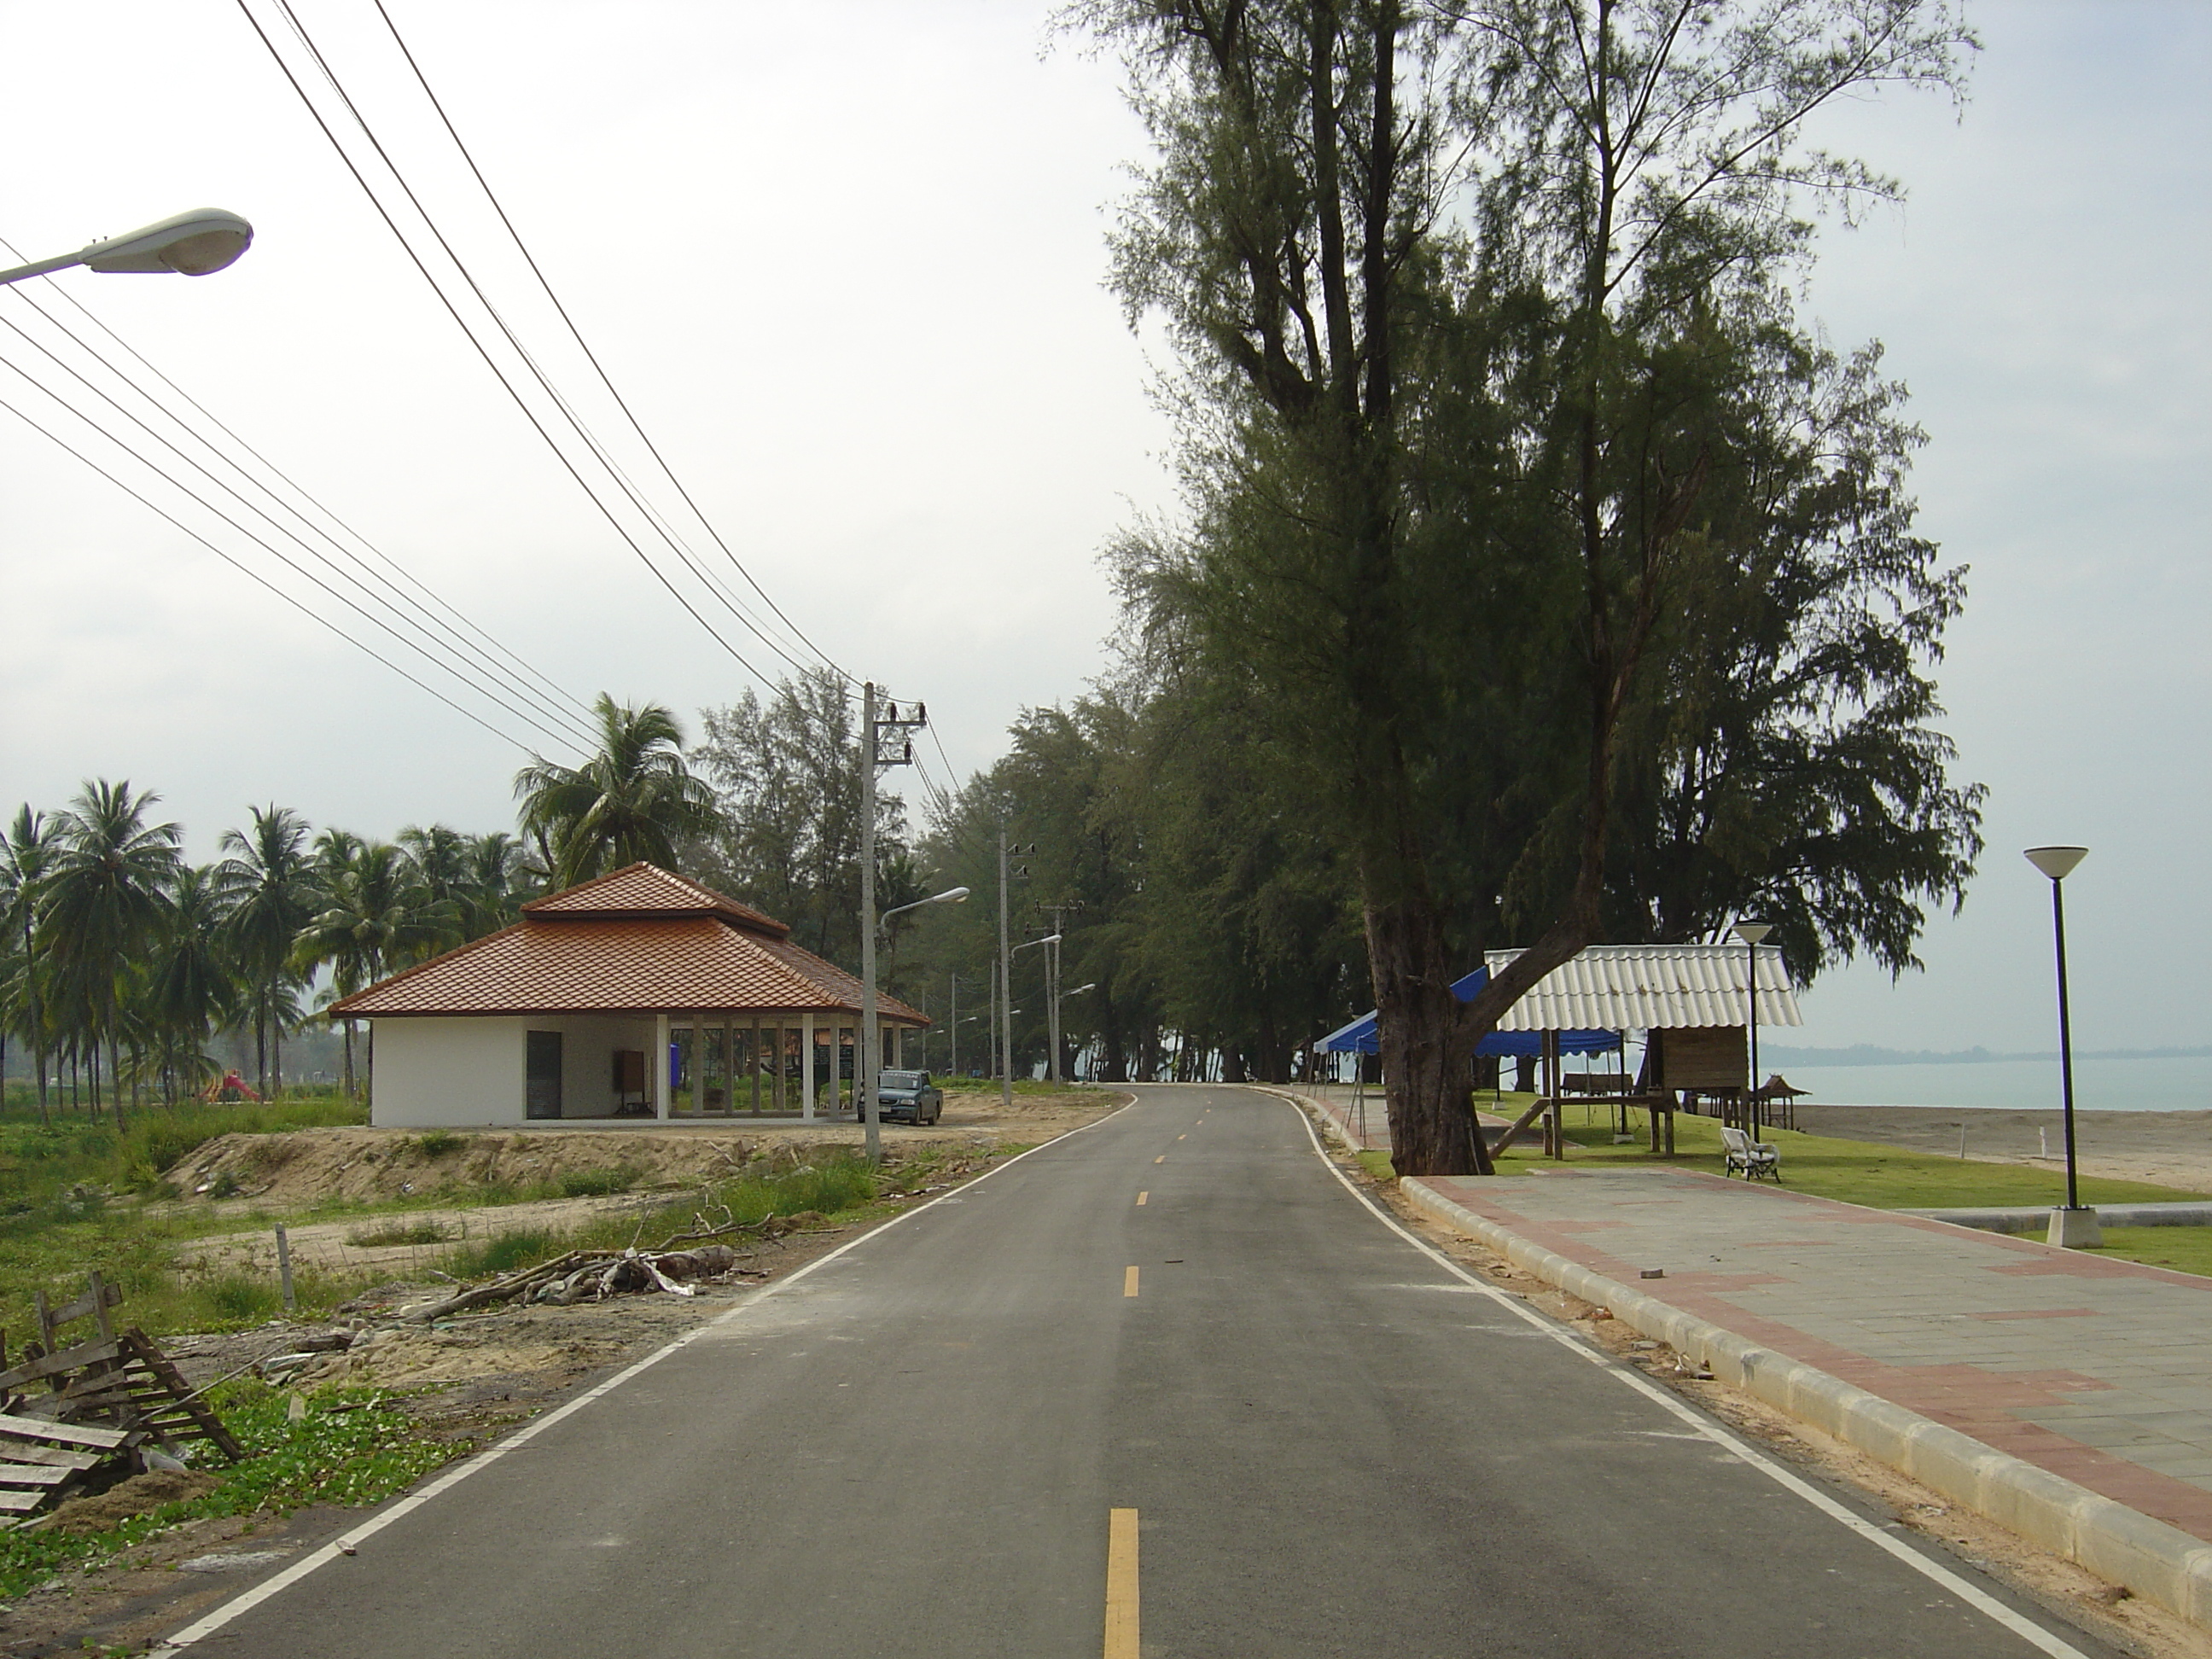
<point>806,1066</point>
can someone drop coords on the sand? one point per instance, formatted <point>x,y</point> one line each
<point>2168,1149</point>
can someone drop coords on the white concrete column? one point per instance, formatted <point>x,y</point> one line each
<point>806,1065</point>
<point>658,1061</point>
<point>898,1047</point>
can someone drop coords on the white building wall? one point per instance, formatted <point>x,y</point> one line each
<point>587,1060</point>
<point>461,1072</point>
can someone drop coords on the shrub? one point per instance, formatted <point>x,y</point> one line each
<point>597,1183</point>
<point>436,1143</point>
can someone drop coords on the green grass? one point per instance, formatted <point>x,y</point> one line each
<point>2187,1250</point>
<point>352,1457</point>
<point>597,1183</point>
<point>1856,1171</point>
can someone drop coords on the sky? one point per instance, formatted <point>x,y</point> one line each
<point>847,265</point>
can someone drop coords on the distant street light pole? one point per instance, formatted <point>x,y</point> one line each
<point>1049,939</point>
<point>2076,1224</point>
<point>195,244</point>
<point>1077,992</point>
<point>1751,933</point>
<point>1005,990</point>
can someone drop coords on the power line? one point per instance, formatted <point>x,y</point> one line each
<point>592,357</point>
<point>255,575</point>
<point>503,681</point>
<point>429,595</point>
<point>483,351</point>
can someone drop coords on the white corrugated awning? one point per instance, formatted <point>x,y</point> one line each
<point>1643,987</point>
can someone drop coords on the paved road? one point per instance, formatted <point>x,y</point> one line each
<point>1333,1446</point>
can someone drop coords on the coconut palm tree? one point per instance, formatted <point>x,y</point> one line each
<point>378,915</point>
<point>25,852</point>
<point>106,898</point>
<point>500,877</point>
<point>266,886</point>
<point>191,987</point>
<point>634,799</point>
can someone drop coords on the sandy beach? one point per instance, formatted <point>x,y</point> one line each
<point>2172,1149</point>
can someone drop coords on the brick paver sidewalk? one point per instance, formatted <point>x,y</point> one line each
<point>2097,1369</point>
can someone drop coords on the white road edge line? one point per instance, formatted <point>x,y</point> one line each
<point>347,1542</point>
<point>2027,1629</point>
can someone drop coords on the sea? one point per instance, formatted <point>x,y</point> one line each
<point>2163,1084</point>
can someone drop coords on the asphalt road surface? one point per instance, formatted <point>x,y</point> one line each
<point>1164,1387</point>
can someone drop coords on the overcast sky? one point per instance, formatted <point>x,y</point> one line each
<point>846,264</point>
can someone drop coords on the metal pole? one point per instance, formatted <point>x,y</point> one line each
<point>952,1031</point>
<point>2065,1043</point>
<point>1052,972</point>
<point>1750,994</point>
<point>1005,988</point>
<point>864,1062</point>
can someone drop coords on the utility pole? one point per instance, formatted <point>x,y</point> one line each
<point>952,1031</point>
<point>868,1057</point>
<point>1006,873</point>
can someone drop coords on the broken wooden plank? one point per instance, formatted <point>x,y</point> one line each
<point>164,1372</point>
<point>98,1297</point>
<point>33,1474</point>
<point>23,1451</point>
<point>83,1353</point>
<point>72,1434</point>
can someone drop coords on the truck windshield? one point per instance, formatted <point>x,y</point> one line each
<point>901,1080</point>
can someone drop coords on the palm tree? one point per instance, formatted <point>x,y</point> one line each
<point>105,901</point>
<point>191,989</point>
<point>500,877</point>
<point>634,800</point>
<point>25,852</point>
<point>267,882</point>
<point>379,916</point>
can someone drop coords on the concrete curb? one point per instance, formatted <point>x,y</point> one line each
<point>2160,1563</point>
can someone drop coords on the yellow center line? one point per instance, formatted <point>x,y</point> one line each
<point>1121,1582</point>
<point>1141,1197</point>
<point>1162,1159</point>
<point>1129,1282</point>
<point>1182,1137</point>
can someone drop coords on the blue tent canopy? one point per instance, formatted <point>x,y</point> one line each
<point>1359,1037</point>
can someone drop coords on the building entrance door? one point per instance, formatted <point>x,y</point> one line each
<point>541,1088</point>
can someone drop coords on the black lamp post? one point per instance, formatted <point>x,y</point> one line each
<point>1751,933</point>
<point>2058,863</point>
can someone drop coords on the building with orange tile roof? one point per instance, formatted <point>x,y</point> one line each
<point>558,1016</point>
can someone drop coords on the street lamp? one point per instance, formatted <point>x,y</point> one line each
<point>195,244</point>
<point>1053,1006</point>
<point>1056,996</point>
<point>867,1061</point>
<point>1751,933</point>
<point>2076,1224</point>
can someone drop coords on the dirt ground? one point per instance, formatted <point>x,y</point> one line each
<point>466,1381</point>
<point>2170,1149</point>
<point>2049,1581</point>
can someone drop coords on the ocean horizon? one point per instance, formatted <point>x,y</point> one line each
<point>2150,1085</point>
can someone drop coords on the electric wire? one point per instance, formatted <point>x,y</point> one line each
<point>567,412</point>
<point>429,595</point>
<point>248,571</point>
<point>592,357</point>
<point>428,646</point>
<point>490,362</point>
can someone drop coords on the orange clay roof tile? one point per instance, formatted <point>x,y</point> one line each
<point>597,960</point>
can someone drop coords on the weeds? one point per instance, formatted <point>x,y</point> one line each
<point>436,1143</point>
<point>400,1232</point>
<point>597,1183</point>
<point>359,1456</point>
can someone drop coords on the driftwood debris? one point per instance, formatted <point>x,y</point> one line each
<point>71,1411</point>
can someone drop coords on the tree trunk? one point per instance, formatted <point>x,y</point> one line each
<point>114,1083</point>
<point>348,1059</point>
